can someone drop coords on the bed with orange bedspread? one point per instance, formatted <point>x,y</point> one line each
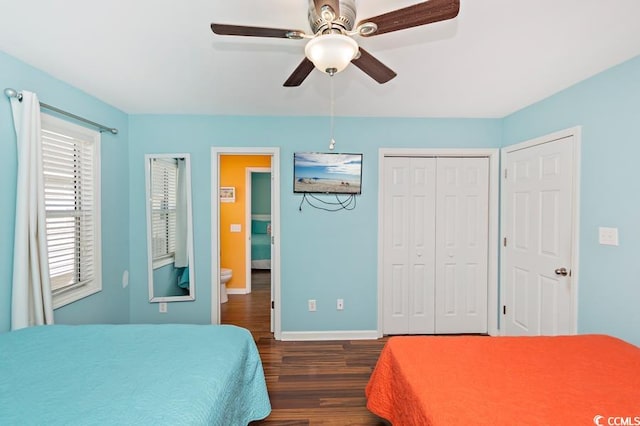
<point>477,380</point>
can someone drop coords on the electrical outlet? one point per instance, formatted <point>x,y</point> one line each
<point>162,307</point>
<point>312,305</point>
<point>340,304</point>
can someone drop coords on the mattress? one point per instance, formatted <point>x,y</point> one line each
<point>131,375</point>
<point>455,380</point>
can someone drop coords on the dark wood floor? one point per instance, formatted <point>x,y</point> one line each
<point>309,383</point>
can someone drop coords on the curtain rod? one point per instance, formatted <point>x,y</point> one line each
<point>12,93</point>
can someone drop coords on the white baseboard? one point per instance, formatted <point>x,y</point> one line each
<point>237,291</point>
<point>330,335</point>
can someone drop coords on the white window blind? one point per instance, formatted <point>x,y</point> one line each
<point>69,156</point>
<point>164,175</point>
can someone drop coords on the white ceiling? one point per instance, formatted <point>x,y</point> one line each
<point>160,56</point>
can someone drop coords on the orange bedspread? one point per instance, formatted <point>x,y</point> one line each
<point>475,380</point>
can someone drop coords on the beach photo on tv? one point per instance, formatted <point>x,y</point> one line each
<point>327,173</point>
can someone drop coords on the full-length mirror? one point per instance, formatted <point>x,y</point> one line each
<point>169,228</point>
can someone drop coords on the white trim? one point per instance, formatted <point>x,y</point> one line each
<point>164,261</point>
<point>435,152</point>
<point>494,194</point>
<point>576,132</point>
<point>247,233</point>
<point>237,291</point>
<point>493,305</point>
<point>330,335</point>
<point>561,134</point>
<point>275,227</point>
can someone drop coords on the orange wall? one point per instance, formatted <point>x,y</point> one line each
<point>233,244</point>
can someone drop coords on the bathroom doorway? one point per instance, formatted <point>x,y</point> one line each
<point>234,225</point>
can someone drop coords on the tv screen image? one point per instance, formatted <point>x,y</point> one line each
<point>327,173</point>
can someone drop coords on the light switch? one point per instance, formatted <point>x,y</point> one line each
<point>608,236</point>
<point>236,227</point>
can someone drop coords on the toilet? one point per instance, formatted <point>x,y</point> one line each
<point>225,276</point>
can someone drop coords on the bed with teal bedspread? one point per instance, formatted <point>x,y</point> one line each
<point>131,375</point>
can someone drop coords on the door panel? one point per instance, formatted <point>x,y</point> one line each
<point>462,217</point>
<point>538,194</point>
<point>409,222</point>
<point>398,290</point>
<point>520,301</point>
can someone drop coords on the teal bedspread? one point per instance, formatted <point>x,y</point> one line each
<point>131,375</point>
<point>260,246</point>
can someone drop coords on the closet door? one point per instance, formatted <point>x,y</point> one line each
<point>408,245</point>
<point>462,217</point>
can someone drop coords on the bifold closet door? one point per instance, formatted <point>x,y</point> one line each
<point>462,217</point>
<point>408,247</point>
<point>435,245</point>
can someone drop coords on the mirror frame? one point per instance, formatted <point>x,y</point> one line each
<point>192,291</point>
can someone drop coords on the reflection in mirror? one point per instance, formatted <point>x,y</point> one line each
<point>169,228</point>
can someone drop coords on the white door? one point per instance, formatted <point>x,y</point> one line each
<point>462,218</point>
<point>409,233</point>
<point>538,197</point>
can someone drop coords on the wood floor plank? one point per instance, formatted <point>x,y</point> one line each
<point>313,383</point>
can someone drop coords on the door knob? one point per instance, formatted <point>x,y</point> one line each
<point>562,271</point>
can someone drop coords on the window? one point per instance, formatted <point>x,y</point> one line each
<point>164,175</point>
<point>71,168</point>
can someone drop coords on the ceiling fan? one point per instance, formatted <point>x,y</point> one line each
<point>332,47</point>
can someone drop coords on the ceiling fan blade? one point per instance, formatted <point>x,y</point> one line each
<point>333,4</point>
<point>299,74</point>
<point>413,16</point>
<point>240,30</point>
<point>373,67</point>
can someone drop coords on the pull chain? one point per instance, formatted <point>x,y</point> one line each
<point>332,142</point>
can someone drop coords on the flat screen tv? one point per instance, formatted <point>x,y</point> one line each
<point>327,173</point>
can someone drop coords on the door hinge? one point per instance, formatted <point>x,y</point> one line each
<point>504,309</point>
<point>273,306</point>
<point>505,173</point>
<point>504,241</point>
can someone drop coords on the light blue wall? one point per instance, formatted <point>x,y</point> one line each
<point>324,256</point>
<point>607,107</point>
<point>331,255</point>
<point>112,304</point>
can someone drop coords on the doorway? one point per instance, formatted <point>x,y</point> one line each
<point>242,231</point>
<point>540,235</point>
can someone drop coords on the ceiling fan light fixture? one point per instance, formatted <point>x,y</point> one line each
<point>331,53</point>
